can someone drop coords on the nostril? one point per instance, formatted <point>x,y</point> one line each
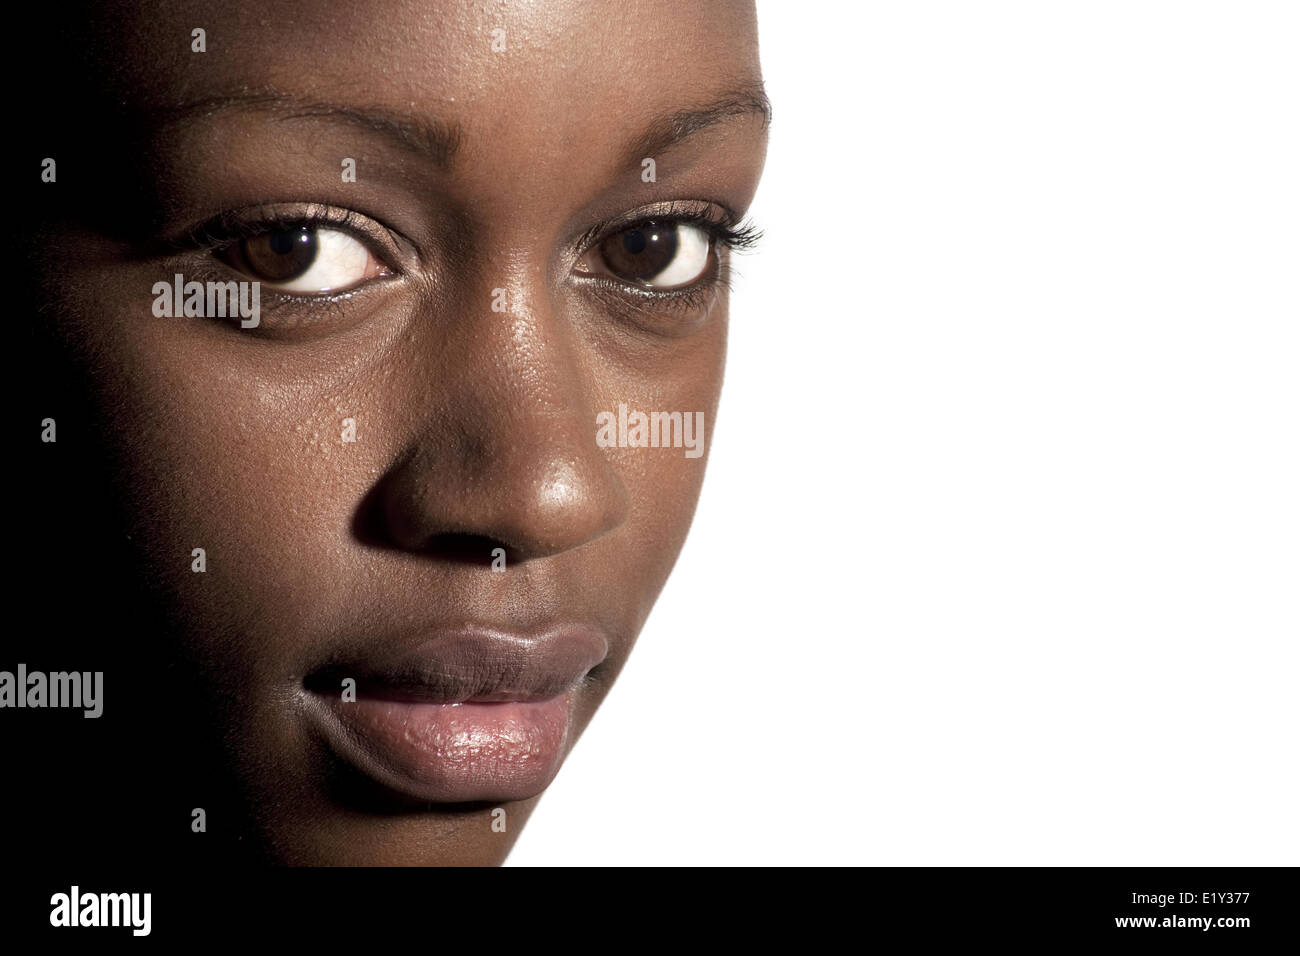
<point>465,548</point>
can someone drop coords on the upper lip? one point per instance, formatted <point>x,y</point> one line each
<point>471,664</point>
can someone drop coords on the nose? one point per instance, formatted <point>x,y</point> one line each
<point>506,457</point>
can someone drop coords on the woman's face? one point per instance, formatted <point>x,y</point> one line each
<point>397,477</point>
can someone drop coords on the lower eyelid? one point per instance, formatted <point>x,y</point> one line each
<point>326,298</point>
<point>656,316</point>
<point>688,298</point>
<point>206,268</point>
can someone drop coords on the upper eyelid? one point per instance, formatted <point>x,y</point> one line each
<point>231,226</point>
<point>689,211</point>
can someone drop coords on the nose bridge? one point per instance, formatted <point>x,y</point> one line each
<point>509,454</point>
<point>520,360</point>
<point>525,340</point>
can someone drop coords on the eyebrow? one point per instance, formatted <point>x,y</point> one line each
<point>675,128</point>
<point>430,137</point>
<point>439,141</point>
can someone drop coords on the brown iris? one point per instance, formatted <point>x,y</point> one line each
<point>642,252</point>
<point>282,255</point>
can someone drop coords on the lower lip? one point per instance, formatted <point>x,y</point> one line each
<point>451,753</point>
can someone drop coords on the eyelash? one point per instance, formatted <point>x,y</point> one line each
<point>229,228</point>
<point>740,237</point>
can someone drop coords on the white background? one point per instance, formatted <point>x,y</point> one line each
<point>998,558</point>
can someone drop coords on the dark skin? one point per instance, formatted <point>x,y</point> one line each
<point>475,428</point>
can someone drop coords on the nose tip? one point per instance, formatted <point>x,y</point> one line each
<point>570,502</point>
<point>542,489</point>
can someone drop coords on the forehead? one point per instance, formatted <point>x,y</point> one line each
<point>570,68</point>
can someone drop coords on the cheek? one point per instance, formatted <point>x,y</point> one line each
<point>680,396</point>
<point>207,457</point>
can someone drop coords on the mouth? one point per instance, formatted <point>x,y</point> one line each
<point>460,716</point>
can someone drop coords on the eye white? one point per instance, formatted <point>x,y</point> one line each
<point>689,261</point>
<point>341,261</point>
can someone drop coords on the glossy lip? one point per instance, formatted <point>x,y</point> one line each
<point>459,716</point>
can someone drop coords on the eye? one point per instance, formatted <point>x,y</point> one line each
<point>657,254</point>
<point>304,259</point>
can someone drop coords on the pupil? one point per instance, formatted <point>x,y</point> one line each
<point>634,241</point>
<point>282,242</point>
